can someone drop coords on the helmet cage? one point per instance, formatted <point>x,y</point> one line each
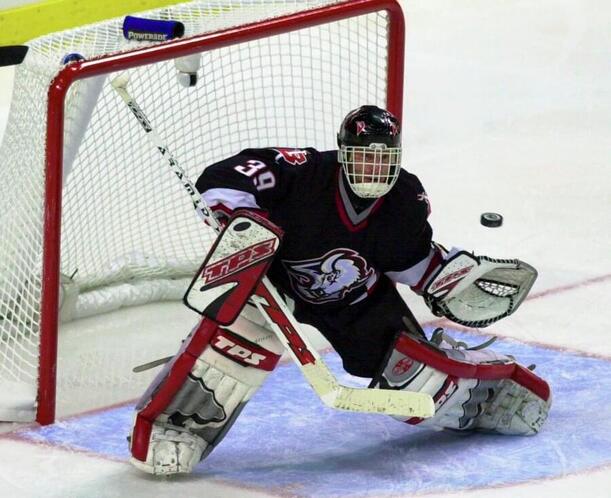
<point>371,171</point>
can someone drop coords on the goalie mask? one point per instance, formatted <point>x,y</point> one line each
<point>369,141</point>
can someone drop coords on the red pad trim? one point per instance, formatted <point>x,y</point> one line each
<point>226,212</point>
<point>433,358</point>
<point>531,381</point>
<point>223,213</point>
<point>179,368</point>
<point>141,435</point>
<point>243,352</point>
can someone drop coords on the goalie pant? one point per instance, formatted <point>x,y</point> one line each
<point>472,389</point>
<point>195,399</point>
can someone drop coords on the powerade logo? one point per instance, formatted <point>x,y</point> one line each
<point>155,30</point>
<point>146,36</point>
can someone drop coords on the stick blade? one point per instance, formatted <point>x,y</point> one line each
<point>385,401</point>
<point>357,399</point>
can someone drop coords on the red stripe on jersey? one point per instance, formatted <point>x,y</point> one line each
<point>343,215</point>
<point>434,264</point>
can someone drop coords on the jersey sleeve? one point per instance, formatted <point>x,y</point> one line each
<point>253,179</point>
<point>417,256</point>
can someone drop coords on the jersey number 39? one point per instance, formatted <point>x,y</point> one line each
<point>262,177</point>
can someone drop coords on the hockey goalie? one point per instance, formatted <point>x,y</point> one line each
<point>335,232</point>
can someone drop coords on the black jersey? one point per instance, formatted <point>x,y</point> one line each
<point>336,247</point>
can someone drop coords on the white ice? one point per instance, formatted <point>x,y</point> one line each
<point>508,109</point>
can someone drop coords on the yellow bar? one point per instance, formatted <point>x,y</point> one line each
<point>20,24</point>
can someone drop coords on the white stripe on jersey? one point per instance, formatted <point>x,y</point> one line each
<point>230,198</point>
<point>414,274</point>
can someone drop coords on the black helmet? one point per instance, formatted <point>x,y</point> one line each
<point>369,124</point>
<point>369,142</point>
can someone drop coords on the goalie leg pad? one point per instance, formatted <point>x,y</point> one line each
<point>193,402</point>
<point>472,389</point>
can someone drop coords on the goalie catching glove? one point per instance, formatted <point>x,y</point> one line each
<point>477,291</point>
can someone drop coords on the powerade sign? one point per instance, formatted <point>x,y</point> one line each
<point>141,29</point>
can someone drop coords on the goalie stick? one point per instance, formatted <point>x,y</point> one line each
<point>281,320</point>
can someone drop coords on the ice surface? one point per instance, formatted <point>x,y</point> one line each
<point>508,109</point>
<point>286,439</point>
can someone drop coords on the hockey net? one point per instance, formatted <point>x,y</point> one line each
<point>273,73</point>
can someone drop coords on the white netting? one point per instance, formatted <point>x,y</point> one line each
<point>126,220</point>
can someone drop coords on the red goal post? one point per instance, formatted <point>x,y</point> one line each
<point>54,177</point>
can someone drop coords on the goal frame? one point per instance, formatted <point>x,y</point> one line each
<point>49,325</point>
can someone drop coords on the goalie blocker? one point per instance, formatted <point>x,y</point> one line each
<point>235,265</point>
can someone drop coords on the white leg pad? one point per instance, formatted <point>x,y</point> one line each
<point>472,389</point>
<point>192,404</point>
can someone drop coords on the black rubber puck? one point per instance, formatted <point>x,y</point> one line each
<point>491,219</point>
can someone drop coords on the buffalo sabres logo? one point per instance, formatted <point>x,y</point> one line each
<point>329,278</point>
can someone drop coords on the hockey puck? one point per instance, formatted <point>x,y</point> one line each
<point>491,219</point>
